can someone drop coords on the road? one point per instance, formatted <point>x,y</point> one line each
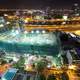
<point>65,28</point>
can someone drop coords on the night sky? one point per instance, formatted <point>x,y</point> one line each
<point>37,4</point>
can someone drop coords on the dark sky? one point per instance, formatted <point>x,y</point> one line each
<point>37,3</point>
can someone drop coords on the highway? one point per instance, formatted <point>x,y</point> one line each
<point>65,28</point>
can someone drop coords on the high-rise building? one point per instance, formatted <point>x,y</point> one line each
<point>76,10</point>
<point>48,12</point>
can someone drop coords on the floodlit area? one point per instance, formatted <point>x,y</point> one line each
<point>29,38</point>
<point>40,44</point>
<point>16,41</point>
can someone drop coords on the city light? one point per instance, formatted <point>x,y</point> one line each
<point>72,67</point>
<point>25,32</point>
<point>15,59</point>
<point>32,32</point>
<point>7,22</point>
<point>26,20</point>
<point>6,15</point>
<point>3,79</point>
<point>15,32</point>
<point>37,31</point>
<point>43,31</point>
<point>77,32</point>
<point>65,17</point>
<point>1,25</point>
<point>40,42</point>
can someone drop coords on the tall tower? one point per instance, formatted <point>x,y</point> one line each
<point>76,10</point>
<point>48,12</point>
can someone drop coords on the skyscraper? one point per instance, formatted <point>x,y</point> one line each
<point>76,10</point>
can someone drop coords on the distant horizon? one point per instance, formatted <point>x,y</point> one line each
<point>5,9</point>
<point>37,8</point>
<point>18,9</point>
<point>38,4</point>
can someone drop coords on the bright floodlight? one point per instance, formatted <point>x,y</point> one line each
<point>15,32</point>
<point>77,32</point>
<point>12,30</point>
<point>1,25</point>
<point>72,67</point>
<point>32,31</point>
<point>75,4</point>
<point>5,14</point>
<point>37,31</point>
<point>49,66</point>
<point>3,78</point>
<point>29,11</point>
<point>72,35</point>
<point>63,23</point>
<point>25,32</point>
<point>37,17</point>
<point>43,31</point>
<point>15,59</point>
<point>26,20</point>
<point>7,22</point>
<point>65,17</point>
<point>77,14</point>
